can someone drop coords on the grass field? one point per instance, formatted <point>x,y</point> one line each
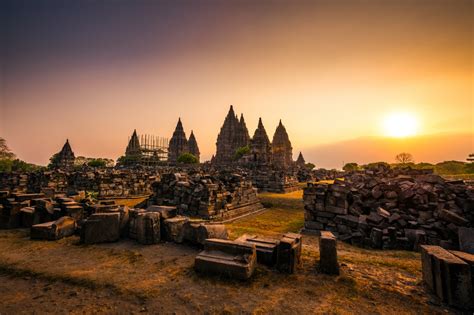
<point>126,277</point>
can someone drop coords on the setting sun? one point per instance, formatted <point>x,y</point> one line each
<point>400,125</point>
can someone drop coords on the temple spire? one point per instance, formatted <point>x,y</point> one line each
<point>193,147</point>
<point>178,143</point>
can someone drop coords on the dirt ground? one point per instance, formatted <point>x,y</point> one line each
<point>125,277</point>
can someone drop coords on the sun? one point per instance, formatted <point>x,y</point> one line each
<point>400,125</point>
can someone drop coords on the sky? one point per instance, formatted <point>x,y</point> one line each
<point>333,71</point>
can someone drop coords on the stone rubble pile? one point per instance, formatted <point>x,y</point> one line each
<point>391,209</point>
<point>24,210</point>
<point>217,197</point>
<point>277,181</point>
<point>105,182</point>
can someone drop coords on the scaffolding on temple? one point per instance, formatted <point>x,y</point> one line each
<point>146,150</point>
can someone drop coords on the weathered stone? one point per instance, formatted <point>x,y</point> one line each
<point>453,280</point>
<point>174,228</point>
<point>452,217</point>
<point>382,212</point>
<point>266,248</point>
<point>100,228</point>
<point>214,231</point>
<point>53,230</point>
<point>376,238</point>
<point>228,258</point>
<point>328,253</point>
<point>466,239</point>
<point>289,252</point>
<point>148,228</point>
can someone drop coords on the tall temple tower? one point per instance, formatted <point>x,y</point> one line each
<point>300,161</point>
<point>64,159</point>
<point>133,147</point>
<point>178,143</point>
<point>232,136</point>
<point>260,146</point>
<point>193,146</point>
<point>282,152</point>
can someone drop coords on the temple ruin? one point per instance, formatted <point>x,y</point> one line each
<point>64,159</point>
<point>145,150</point>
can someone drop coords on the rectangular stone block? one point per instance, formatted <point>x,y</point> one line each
<point>53,230</point>
<point>174,229</point>
<point>289,252</point>
<point>328,253</point>
<point>101,228</point>
<point>466,239</point>
<point>227,258</point>
<point>266,248</point>
<point>451,277</point>
<point>148,228</point>
<point>427,265</point>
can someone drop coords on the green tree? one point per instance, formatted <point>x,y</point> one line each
<point>350,167</point>
<point>187,158</point>
<point>5,152</point>
<point>450,168</point>
<point>240,152</point>
<point>6,165</point>
<point>97,163</point>
<point>309,166</point>
<point>53,161</point>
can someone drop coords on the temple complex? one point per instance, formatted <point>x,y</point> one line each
<point>234,135</point>
<point>64,159</point>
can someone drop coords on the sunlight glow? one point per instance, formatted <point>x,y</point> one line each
<point>400,125</point>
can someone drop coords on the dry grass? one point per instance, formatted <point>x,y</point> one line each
<point>284,214</point>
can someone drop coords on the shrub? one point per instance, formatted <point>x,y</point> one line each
<point>187,158</point>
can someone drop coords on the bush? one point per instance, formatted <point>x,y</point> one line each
<point>187,158</point>
<point>97,163</point>
<point>350,167</point>
<point>240,152</point>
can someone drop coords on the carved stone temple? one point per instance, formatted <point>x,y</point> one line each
<point>64,159</point>
<point>179,144</point>
<point>234,135</point>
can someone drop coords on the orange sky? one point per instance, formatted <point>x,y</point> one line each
<point>331,70</point>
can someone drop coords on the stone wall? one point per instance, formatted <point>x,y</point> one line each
<point>391,209</point>
<point>220,197</point>
<point>105,182</point>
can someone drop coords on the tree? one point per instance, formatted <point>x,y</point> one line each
<point>53,161</point>
<point>310,166</point>
<point>350,167</point>
<point>404,158</point>
<point>97,163</point>
<point>187,158</point>
<point>240,152</point>
<point>5,153</point>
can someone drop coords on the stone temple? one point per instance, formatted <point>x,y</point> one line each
<point>179,144</point>
<point>65,158</point>
<point>234,135</point>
